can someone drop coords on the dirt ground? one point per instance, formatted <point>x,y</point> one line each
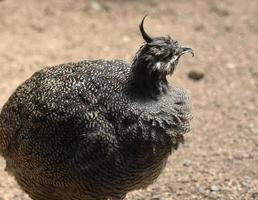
<point>219,159</point>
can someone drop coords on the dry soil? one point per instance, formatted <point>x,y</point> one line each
<point>219,159</point>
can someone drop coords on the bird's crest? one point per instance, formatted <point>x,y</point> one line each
<point>145,36</point>
<point>156,58</point>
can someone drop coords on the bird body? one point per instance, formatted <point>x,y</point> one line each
<point>93,129</point>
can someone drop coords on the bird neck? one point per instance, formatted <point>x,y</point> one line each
<point>144,81</point>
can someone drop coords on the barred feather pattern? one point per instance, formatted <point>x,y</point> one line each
<point>74,132</point>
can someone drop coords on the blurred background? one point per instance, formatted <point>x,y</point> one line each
<point>219,159</point>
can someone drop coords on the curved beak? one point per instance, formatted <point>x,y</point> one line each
<point>184,50</point>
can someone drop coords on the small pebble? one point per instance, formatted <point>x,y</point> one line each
<point>194,197</point>
<point>96,6</point>
<point>155,196</point>
<point>245,184</point>
<point>187,163</point>
<point>195,75</point>
<point>214,188</point>
<point>230,66</point>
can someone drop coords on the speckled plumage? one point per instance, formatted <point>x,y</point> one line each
<point>86,130</point>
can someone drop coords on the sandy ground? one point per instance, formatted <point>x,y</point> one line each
<point>219,159</point>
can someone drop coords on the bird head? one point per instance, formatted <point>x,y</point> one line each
<point>156,58</point>
<point>161,53</point>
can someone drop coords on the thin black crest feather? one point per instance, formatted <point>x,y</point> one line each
<point>145,36</point>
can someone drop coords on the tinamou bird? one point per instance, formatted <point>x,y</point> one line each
<point>96,129</point>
